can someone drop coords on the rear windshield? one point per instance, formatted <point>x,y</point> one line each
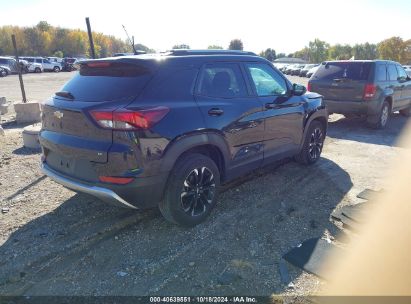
<point>108,82</point>
<point>339,70</point>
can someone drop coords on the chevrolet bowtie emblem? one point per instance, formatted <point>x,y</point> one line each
<point>58,114</point>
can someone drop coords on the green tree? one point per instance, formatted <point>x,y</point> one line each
<point>142,47</point>
<point>181,46</point>
<point>58,54</point>
<point>340,52</point>
<point>394,48</point>
<point>269,54</point>
<point>365,51</point>
<point>281,55</point>
<point>214,47</point>
<point>43,26</point>
<point>303,54</point>
<point>236,44</point>
<point>318,50</point>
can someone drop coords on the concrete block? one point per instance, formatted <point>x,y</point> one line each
<point>6,108</point>
<point>31,137</point>
<point>27,112</point>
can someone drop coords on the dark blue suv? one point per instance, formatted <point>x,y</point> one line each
<point>167,130</point>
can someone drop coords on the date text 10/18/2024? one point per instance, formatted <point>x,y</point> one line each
<point>234,299</point>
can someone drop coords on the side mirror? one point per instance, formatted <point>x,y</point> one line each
<point>402,79</point>
<point>299,89</point>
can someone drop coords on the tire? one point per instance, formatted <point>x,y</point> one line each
<point>406,112</point>
<point>382,118</point>
<point>187,177</point>
<point>3,73</point>
<point>56,69</point>
<point>313,144</point>
<point>37,70</point>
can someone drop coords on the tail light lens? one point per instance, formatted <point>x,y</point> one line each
<point>309,86</point>
<point>124,119</point>
<point>369,91</point>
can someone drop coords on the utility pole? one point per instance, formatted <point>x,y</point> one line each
<point>90,38</point>
<point>16,54</point>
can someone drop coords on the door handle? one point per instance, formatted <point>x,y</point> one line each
<point>215,112</point>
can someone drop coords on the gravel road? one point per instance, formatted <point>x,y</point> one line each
<point>56,242</point>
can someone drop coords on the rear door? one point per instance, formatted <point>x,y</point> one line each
<point>71,139</point>
<point>341,80</point>
<point>228,107</point>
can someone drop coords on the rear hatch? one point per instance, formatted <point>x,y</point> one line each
<point>341,80</point>
<point>72,141</point>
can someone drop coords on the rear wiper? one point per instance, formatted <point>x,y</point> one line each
<point>65,94</point>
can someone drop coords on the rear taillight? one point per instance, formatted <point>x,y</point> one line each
<point>309,86</point>
<point>124,119</point>
<point>369,91</point>
<point>116,180</point>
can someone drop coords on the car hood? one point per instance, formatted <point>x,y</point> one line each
<point>5,67</point>
<point>312,95</point>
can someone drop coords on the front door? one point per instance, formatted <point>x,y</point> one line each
<point>228,107</point>
<point>283,112</point>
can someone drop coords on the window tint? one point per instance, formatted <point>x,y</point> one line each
<point>266,80</point>
<point>116,81</point>
<point>401,72</point>
<point>381,72</point>
<point>4,61</point>
<point>392,72</point>
<point>171,84</point>
<point>222,80</point>
<point>39,60</point>
<point>338,70</point>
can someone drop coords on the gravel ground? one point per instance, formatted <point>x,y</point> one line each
<point>56,242</point>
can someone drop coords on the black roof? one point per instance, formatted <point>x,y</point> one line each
<point>183,58</point>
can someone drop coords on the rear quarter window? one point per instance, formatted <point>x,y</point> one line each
<point>348,70</point>
<point>381,72</point>
<point>116,81</point>
<point>171,84</point>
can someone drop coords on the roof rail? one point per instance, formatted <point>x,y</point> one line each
<point>187,52</point>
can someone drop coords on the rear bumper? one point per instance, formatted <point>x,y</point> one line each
<point>142,193</point>
<point>371,107</point>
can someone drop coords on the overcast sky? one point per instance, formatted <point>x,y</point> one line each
<point>286,25</point>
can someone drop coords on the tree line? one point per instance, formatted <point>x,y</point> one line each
<point>394,48</point>
<point>46,40</point>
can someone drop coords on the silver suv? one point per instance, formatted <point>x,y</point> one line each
<point>47,64</point>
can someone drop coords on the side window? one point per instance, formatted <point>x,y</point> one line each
<point>175,84</point>
<point>46,61</point>
<point>401,72</point>
<point>39,60</point>
<point>266,80</point>
<point>381,72</point>
<point>222,80</point>
<point>392,72</point>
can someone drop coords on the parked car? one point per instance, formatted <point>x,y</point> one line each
<point>3,72</point>
<point>142,132</point>
<point>296,69</point>
<point>55,59</point>
<point>312,71</point>
<point>9,64</point>
<point>68,64</point>
<point>306,68</point>
<point>45,63</point>
<point>371,88</point>
<point>288,68</point>
<point>31,66</point>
